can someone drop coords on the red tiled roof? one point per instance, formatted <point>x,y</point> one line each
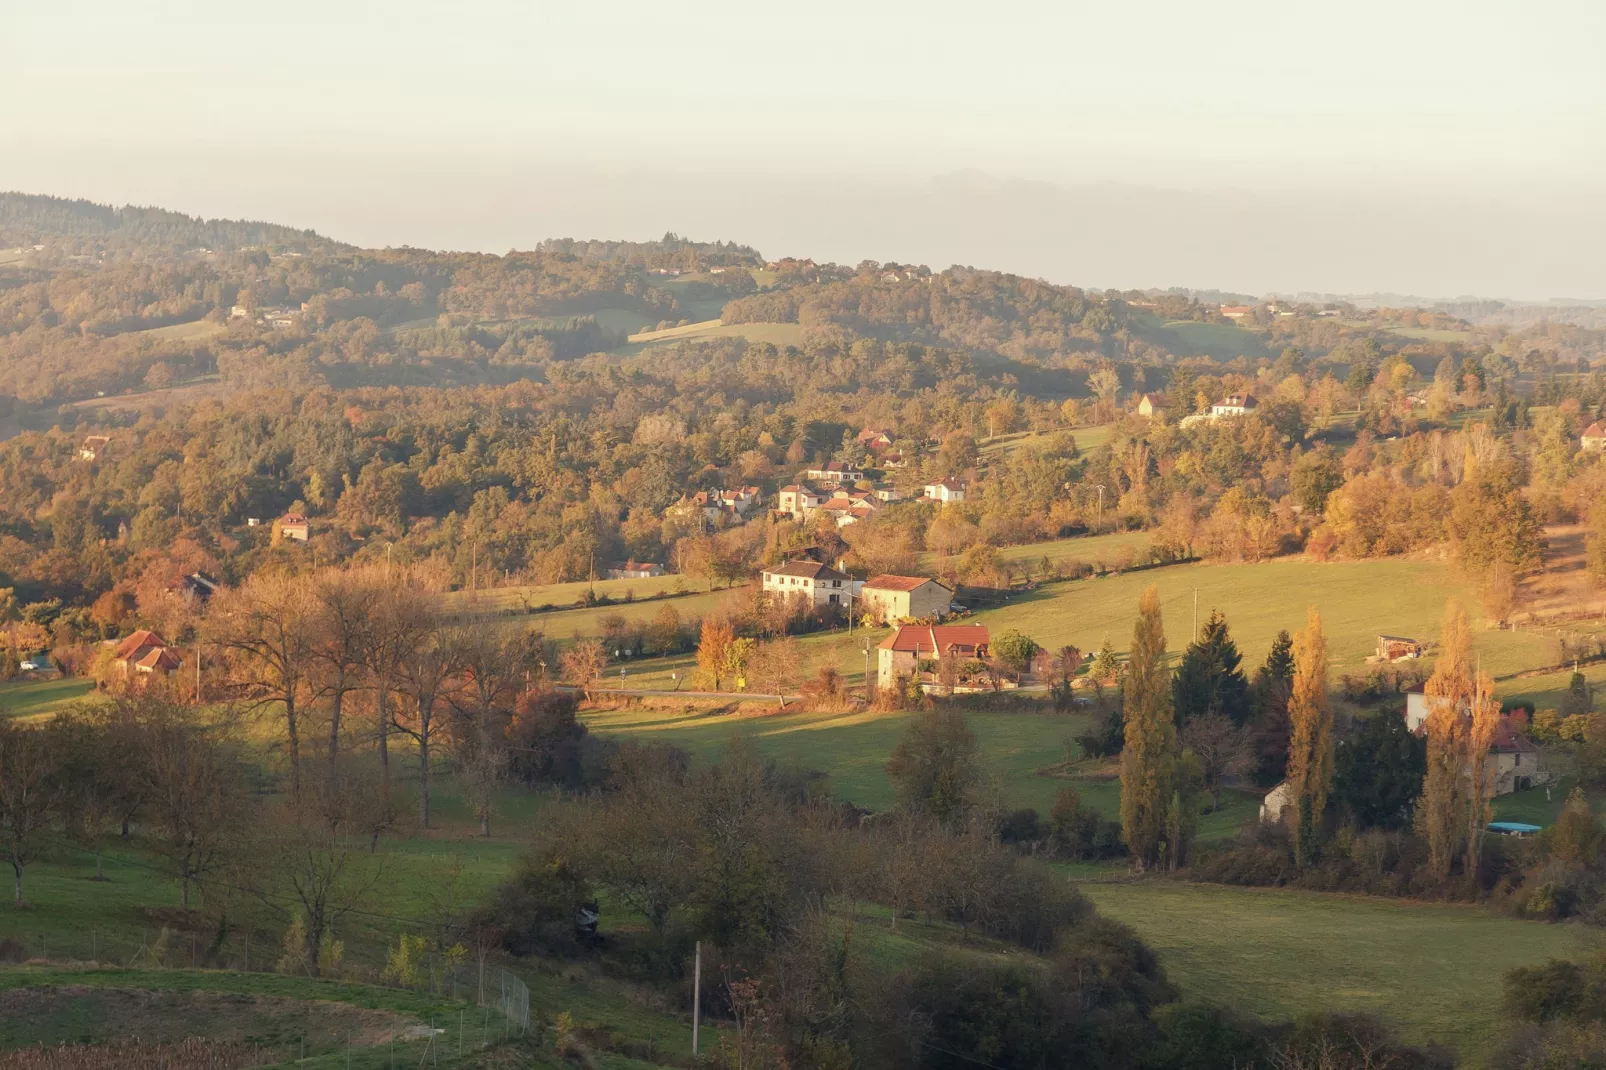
<point>896,583</point>
<point>140,640</point>
<point>160,658</point>
<point>1595,430</point>
<point>292,520</point>
<point>937,639</point>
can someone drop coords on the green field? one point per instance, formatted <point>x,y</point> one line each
<point>184,332</point>
<point>1221,340</point>
<point>565,595</point>
<point>32,699</point>
<point>1088,549</point>
<point>1020,751</point>
<point>1358,600</point>
<point>1088,438</point>
<point>778,334</point>
<point>1431,970</point>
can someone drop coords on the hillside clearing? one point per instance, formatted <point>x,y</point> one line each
<point>36,698</point>
<point>1432,970</point>
<point>194,331</point>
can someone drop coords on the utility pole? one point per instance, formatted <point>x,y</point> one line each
<point>1100,489</point>
<point>867,668</point>
<point>696,997</point>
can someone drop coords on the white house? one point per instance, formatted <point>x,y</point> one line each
<point>797,500</point>
<point>835,472</point>
<point>821,584</point>
<point>1594,438</point>
<point>1235,405</point>
<point>946,490</point>
<point>892,598</point>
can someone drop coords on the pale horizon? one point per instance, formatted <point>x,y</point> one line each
<point>1430,149</point>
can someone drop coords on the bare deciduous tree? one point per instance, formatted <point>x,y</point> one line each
<point>266,627</point>
<point>28,790</point>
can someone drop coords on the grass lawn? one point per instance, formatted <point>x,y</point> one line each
<point>1020,750</point>
<point>565,595</point>
<point>1088,549</point>
<point>1189,337</point>
<point>778,334</point>
<point>184,332</point>
<point>1431,970</point>
<point>30,698</point>
<point>1358,600</point>
<point>288,1020</point>
<point>1546,690</point>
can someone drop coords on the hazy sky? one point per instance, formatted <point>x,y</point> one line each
<point>387,122</point>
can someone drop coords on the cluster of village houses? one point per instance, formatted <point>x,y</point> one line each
<point>916,607</point>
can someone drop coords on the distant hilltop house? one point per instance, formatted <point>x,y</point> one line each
<point>280,319</point>
<point>821,584</point>
<point>901,653</point>
<point>851,508</point>
<point>1593,440</point>
<point>198,586</point>
<point>874,439</point>
<point>713,503</point>
<point>1235,405</point>
<point>1395,647</point>
<point>1417,400</point>
<point>93,446</point>
<point>892,598</point>
<point>292,527</point>
<point>144,655</point>
<point>1151,405</point>
<point>835,472</point>
<point>797,500</point>
<point>635,570</point>
<point>946,490</point>
<point>1231,405</point>
<point>1236,312</point>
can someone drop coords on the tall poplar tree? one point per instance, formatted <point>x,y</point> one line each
<point>1441,811</point>
<point>1482,728</point>
<point>1149,761</point>
<point>1310,749</point>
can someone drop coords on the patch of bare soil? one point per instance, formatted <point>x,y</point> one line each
<point>1562,590</point>
<point>84,1014</point>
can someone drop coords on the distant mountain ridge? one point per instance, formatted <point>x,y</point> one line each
<point>26,218</point>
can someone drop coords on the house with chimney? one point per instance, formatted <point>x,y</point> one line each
<point>798,500</point>
<point>835,472</point>
<point>912,650</point>
<point>292,527</point>
<point>821,584</point>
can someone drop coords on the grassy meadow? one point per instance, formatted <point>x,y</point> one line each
<point>1431,970</point>
<point>39,698</point>
<point>778,334</point>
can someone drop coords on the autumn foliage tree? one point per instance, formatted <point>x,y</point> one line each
<point>1149,760</point>
<point>1310,751</point>
<point>1442,808</point>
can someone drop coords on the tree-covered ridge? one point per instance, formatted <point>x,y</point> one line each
<point>1021,318</point>
<point>27,218</point>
